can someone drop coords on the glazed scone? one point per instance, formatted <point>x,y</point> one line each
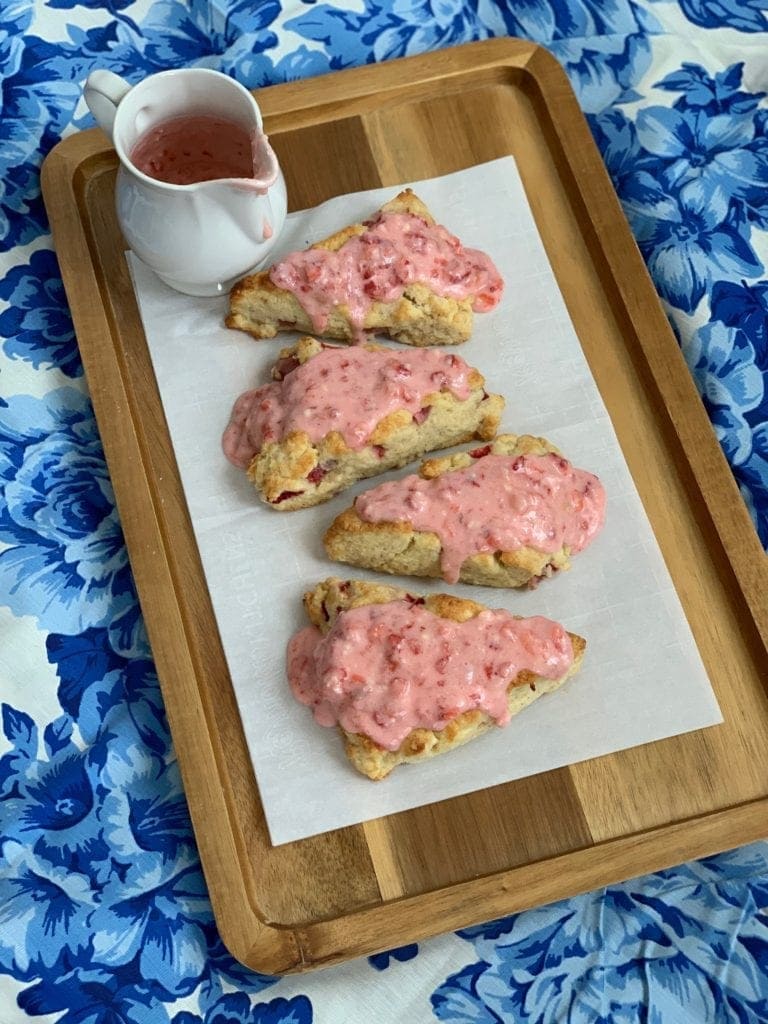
<point>390,669</point>
<point>504,515</point>
<point>399,274</point>
<point>335,415</point>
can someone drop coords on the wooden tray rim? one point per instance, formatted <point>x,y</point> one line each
<point>276,948</point>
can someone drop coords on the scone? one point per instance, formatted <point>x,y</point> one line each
<point>335,415</point>
<point>406,678</point>
<point>399,274</point>
<point>504,515</point>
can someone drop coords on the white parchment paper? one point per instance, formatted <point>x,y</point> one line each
<point>642,678</point>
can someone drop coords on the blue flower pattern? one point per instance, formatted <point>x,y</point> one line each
<point>743,15</point>
<point>381,961</point>
<point>35,326</point>
<point>64,547</point>
<point>103,910</point>
<point>692,179</point>
<point>605,956</point>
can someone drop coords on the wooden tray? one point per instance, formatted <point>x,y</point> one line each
<point>466,860</point>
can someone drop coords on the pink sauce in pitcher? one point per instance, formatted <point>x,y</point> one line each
<point>195,147</point>
<point>384,670</point>
<point>395,250</point>
<point>348,390</point>
<point>499,503</point>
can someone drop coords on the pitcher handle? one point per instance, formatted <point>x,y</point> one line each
<point>103,92</point>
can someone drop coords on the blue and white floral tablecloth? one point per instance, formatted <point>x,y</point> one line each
<point>104,917</point>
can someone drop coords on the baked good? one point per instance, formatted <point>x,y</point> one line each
<point>504,515</point>
<point>392,669</point>
<point>398,274</point>
<point>335,415</point>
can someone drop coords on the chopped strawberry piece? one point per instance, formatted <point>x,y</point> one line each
<point>421,415</point>
<point>285,495</point>
<point>284,366</point>
<point>316,475</point>
<point>479,453</point>
<point>456,276</point>
<point>379,449</point>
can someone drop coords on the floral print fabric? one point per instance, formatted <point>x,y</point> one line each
<point>104,915</point>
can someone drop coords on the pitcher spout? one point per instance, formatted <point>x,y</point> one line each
<point>257,204</point>
<point>265,165</point>
<point>254,208</point>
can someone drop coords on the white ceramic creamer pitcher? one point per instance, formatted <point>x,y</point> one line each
<point>200,237</point>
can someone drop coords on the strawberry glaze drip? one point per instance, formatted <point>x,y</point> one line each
<point>384,670</point>
<point>349,390</point>
<point>395,250</point>
<point>499,503</point>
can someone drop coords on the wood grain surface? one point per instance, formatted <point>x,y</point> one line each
<point>397,879</point>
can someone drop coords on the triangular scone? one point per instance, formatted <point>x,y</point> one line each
<point>364,286</point>
<point>392,669</point>
<point>335,415</point>
<point>506,521</point>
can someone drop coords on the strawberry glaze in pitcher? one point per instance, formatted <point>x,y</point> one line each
<point>222,205</point>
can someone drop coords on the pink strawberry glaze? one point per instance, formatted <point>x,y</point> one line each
<point>349,390</point>
<point>384,670</point>
<point>499,503</point>
<point>395,250</point>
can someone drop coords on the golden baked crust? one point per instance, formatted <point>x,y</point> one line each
<point>296,473</point>
<point>419,317</point>
<point>328,599</point>
<point>395,547</point>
